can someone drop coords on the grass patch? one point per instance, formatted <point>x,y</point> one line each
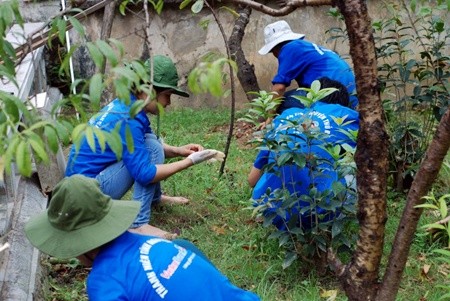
<point>219,222</point>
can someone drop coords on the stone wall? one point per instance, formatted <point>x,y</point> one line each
<point>178,34</point>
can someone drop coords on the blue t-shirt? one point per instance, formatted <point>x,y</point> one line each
<point>137,267</point>
<point>305,62</point>
<point>299,181</point>
<point>90,163</point>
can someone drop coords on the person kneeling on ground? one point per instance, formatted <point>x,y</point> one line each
<point>293,130</point>
<point>144,166</point>
<point>83,222</point>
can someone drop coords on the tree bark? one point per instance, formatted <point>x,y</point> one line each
<point>360,276</point>
<point>108,18</point>
<point>288,6</point>
<point>246,71</point>
<point>427,173</point>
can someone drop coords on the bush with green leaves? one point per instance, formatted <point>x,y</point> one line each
<point>412,51</point>
<point>413,71</point>
<point>331,212</point>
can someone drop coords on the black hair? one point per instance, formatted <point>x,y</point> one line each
<point>340,97</point>
<point>279,45</point>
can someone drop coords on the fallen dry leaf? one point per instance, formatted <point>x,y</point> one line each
<point>329,294</point>
<point>218,230</point>
<point>426,269</point>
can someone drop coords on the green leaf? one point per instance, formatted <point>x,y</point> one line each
<point>118,45</point>
<point>122,89</point>
<point>289,259</point>
<point>10,152</point>
<point>230,10</point>
<point>61,24</point>
<point>428,206</point>
<point>52,138</point>
<point>23,158</point>
<point>413,4</point>
<point>38,147</point>
<point>11,109</point>
<point>336,229</point>
<point>443,205</point>
<point>197,6</point>
<point>315,86</point>
<point>115,141</point>
<point>39,124</point>
<point>129,139</point>
<point>108,51</point>
<point>136,107</point>
<point>77,133</point>
<point>434,226</point>
<point>77,25</point>
<point>89,132</point>
<point>284,238</point>
<point>96,90</point>
<point>96,54</point>
<point>101,139</point>
<point>185,3</point>
<point>123,6</point>
<point>281,160</point>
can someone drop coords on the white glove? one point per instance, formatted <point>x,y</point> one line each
<point>207,154</point>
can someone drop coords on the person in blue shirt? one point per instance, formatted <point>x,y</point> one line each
<point>143,166</point>
<point>305,131</point>
<point>83,222</point>
<point>304,62</point>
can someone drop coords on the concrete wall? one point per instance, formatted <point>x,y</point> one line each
<point>178,34</point>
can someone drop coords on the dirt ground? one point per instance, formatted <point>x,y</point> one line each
<point>242,132</point>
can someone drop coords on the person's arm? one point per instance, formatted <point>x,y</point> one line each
<point>163,171</point>
<point>279,89</point>
<point>256,172</point>
<point>181,151</point>
<point>254,176</point>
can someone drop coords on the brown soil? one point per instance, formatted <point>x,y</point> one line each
<point>242,132</point>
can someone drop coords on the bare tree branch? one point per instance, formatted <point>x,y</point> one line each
<point>288,6</point>
<point>427,173</point>
<point>233,92</point>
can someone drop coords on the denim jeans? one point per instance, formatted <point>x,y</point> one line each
<point>115,181</point>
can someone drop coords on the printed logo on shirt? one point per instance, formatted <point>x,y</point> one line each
<point>98,121</point>
<point>168,272</point>
<point>159,288</point>
<point>317,120</point>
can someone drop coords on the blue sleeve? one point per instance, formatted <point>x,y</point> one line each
<point>137,162</point>
<point>261,159</point>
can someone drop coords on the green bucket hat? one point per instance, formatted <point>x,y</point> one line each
<point>79,218</point>
<point>165,74</point>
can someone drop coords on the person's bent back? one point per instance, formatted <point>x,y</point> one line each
<point>83,222</point>
<point>304,133</point>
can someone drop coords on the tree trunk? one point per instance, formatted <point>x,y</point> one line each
<point>108,18</point>
<point>360,276</point>
<point>246,71</point>
<point>427,173</point>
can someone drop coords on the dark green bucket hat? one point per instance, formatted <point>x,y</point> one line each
<point>165,74</point>
<point>79,218</point>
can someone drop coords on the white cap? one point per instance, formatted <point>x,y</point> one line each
<point>277,32</point>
